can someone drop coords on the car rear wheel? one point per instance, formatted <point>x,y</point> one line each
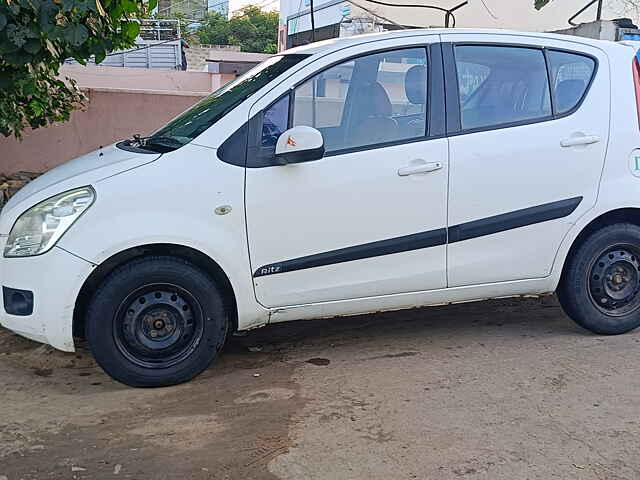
<point>156,321</point>
<point>600,288</point>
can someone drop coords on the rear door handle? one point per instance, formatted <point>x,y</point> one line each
<point>581,140</point>
<point>419,168</point>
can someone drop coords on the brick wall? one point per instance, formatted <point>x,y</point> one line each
<point>197,55</point>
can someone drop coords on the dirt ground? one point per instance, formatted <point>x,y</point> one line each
<point>507,389</point>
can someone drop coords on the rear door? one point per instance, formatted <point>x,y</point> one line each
<point>528,135</point>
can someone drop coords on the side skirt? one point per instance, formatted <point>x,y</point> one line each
<point>403,301</point>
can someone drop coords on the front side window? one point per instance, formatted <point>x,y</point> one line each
<point>275,122</point>
<point>570,76</point>
<point>501,85</point>
<point>205,113</point>
<point>371,100</point>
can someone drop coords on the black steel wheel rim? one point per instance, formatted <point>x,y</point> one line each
<point>614,280</point>
<point>158,325</point>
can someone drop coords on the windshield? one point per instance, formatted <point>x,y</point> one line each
<point>205,113</point>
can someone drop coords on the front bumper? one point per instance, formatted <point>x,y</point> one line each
<point>55,278</point>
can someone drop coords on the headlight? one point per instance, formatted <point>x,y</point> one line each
<point>38,229</point>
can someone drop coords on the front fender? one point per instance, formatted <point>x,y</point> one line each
<point>165,203</point>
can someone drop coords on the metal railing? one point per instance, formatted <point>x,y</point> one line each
<point>159,29</point>
<point>585,8</point>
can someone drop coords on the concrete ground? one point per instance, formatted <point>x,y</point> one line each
<point>507,389</point>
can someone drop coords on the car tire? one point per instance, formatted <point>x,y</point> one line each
<point>600,286</point>
<point>156,321</point>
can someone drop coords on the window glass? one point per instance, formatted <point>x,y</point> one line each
<point>207,112</point>
<point>570,77</point>
<point>319,102</point>
<point>367,101</point>
<point>501,85</point>
<point>470,77</point>
<point>275,121</point>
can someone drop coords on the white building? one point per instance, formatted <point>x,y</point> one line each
<point>220,6</point>
<point>192,9</point>
<point>344,17</point>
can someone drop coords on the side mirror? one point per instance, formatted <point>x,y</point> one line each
<point>299,144</point>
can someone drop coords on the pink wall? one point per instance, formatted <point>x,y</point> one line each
<point>122,101</point>
<point>138,78</point>
<point>111,115</point>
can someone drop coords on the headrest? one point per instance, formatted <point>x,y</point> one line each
<point>415,84</point>
<point>378,100</point>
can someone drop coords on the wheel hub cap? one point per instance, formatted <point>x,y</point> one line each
<point>158,326</point>
<point>614,281</point>
<point>159,323</point>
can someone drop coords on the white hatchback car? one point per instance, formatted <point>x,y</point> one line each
<point>372,173</point>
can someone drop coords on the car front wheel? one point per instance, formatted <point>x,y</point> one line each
<point>600,288</point>
<point>156,321</point>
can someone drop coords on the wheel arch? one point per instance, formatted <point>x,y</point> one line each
<point>619,215</point>
<point>190,254</point>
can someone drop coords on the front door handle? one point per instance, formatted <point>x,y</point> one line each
<point>579,140</point>
<point>419,167</point>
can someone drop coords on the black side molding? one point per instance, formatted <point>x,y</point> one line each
<point>405,243</point>
<point>431,238</point>
<point>515,219</point>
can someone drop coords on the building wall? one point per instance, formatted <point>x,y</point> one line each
<point>138,78</point>
<point>196,57</point>
<point>508,14</point>
<point>121,102</point>
<point>111,115</point>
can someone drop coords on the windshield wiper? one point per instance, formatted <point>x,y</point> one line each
<point>161,144</point>
<point>166,144</point>
<point>164,141</point>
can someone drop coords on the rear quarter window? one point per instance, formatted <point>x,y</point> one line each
<point>571,75</point>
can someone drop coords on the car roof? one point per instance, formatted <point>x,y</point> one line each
<point>327,46</point>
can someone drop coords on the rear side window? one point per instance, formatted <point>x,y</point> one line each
<point>471,76</point>
<point>501,85</point>
<point>570,76</point>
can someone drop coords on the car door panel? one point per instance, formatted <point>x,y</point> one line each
<point>503,170</point>
<point>349,225</point>
<point>366,230</point>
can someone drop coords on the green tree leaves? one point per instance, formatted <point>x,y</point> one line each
<point>76,35</point>
<point>36,36</point>
<point>538,4</point>
<point>131,29</point>
<point>214,30</point>
<point>252,28</point>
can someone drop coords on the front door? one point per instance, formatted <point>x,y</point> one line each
<point>527,155</point>
<point>369,218</point>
